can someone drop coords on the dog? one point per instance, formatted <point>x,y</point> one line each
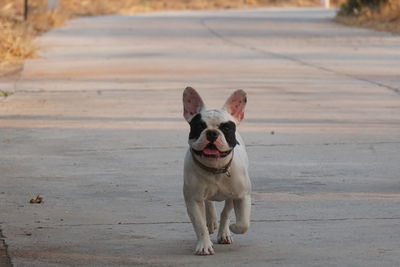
<point>215,169</point>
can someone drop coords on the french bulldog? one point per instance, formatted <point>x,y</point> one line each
<point>215,169</point>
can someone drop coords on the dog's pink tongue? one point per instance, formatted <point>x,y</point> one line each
<point>210,152</point>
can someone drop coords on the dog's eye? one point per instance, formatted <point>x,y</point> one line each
<point>201,126</point>
<point>227,127</point>
<point>224,128</point>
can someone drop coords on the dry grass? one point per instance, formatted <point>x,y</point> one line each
<point>14,44</point>
<point>385,17</point>
<point>16,35</point>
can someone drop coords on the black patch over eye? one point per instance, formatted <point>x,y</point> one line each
<point>197,125</point>
<point>229,130</point>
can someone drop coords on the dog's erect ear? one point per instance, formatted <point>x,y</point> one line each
<point>236,104</point>
<point>192,103</point>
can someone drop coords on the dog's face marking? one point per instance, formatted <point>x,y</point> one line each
<point>213,131</point>
<point>197,126</point>
<point>229,130</point>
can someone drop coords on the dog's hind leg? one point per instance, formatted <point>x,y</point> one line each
<point>211,216</point>
<point>224,235</point>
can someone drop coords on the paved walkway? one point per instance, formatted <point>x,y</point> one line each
<point>95,128</point>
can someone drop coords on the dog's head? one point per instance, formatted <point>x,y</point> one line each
<point>213,131</point>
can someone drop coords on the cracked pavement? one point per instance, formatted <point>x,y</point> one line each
<point>95,128</point>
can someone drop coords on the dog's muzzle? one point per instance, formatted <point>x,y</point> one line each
<point>211,151</point>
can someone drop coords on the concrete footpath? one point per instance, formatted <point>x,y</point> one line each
<point>95,127</point>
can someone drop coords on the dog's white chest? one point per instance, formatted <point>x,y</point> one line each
<point>223,188</point>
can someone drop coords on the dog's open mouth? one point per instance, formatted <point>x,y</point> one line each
<point>211,151</point>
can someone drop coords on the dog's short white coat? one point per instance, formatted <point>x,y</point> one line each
<point>202,187</point>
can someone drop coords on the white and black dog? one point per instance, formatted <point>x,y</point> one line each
<point>216,169</point>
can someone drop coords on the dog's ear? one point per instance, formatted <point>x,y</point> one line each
<point>236,104</point>
<point>192,103</point>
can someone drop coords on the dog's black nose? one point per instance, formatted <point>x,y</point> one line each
<point>212,135</point>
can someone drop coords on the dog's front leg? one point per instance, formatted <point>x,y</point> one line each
<point>196,211</point>
<point>211,216</point>
<point>224,235</point>
<point>242,209</point>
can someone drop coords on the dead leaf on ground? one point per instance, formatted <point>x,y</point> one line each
<point>36,200</point>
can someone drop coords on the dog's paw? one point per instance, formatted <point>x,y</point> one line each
<point>225,238</point>
<point>239,228</point>
<point>204,248</point>
<point>211,225</point>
